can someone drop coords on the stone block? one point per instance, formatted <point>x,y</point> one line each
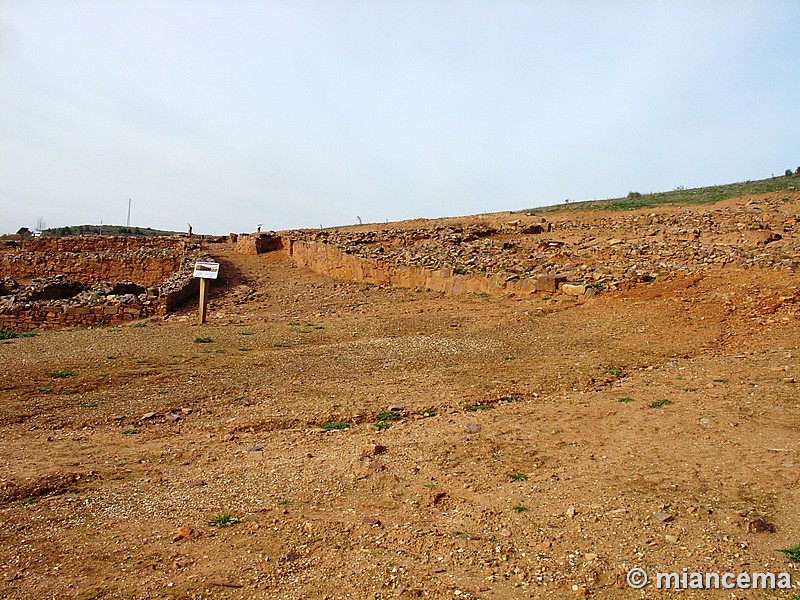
<point>573,289</point>
<point>549,283</point>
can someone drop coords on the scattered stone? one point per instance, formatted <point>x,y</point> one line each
<point>147,416</point>
<point>570,512</point>
<point>663,517</point>
<point>255,449</point>
<point>760,526</point>
<point>371,522</point>
<point>373,449</point>
<point>505,532</point>
<point>672,539</point>
<point>197,483</point>
<point>171,416</point>
<point>472,427</point>
<point>290,556</point>
<point>542,547</point>
<point>183,533</point>
<point>227,584</point>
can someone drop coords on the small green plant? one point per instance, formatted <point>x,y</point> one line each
<point>615,371</point>
<point>335,426</point>
<point>139,325</point>
<point>429,412</point>
<point>519,477</point>
<point>458,534</point>
<point>130,432</point>
<point>721,380</point>
<point>659,403</point>
<point>245,349</point>
<point>792,553</point>
<point>281,345</point>
<point>103,375</point>
<point>389,415</point>
<point>62,374</point>
<point>509,357</point>
<point>43,389</point>
<point>483,296</point>
<point>223,520</point>
<point>7,334</point>
<point>294,324</point>
<point>626,400</point>
<point>246,333</point>
<point>284,502</point>
<point>202,340</point>
<point>519,508</point>
<point>384,419</point>
<point>477,407</point>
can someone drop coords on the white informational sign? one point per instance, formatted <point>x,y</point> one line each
<point>206,270</point>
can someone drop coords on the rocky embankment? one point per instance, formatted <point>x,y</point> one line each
<point>606,251</point>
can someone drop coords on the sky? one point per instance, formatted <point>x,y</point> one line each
<point>320,113</point>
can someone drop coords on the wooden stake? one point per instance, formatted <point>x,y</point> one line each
<point>201,318</point>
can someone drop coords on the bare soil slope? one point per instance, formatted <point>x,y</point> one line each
<point>528,448</point>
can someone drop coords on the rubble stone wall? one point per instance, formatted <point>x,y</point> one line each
<point>161,269</point>
<point>256,243</point>
<point>329,260</point>
<point>95,259</point>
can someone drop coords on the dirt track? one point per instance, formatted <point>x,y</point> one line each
<point>514,469</point>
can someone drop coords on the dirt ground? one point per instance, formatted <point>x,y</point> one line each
<point>528,448</point>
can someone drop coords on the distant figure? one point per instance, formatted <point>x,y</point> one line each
<point>258,228</point>
<point>190,230</point>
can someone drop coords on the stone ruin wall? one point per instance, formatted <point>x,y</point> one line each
<point>95,259</point>
<point>329,260</point>
<point>53,283</point>
<point>575,257</point>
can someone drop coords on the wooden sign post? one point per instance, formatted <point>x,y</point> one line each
<point>204,271</point>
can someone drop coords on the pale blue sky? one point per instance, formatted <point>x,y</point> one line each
<point>297,114</point>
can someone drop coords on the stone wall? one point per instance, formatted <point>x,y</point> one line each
<point>93,259</point>
<point>72,285</point>
<point>256,243</point>
<point>329,260</point>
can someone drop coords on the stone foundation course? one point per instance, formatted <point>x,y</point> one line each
<point>54,283</point>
